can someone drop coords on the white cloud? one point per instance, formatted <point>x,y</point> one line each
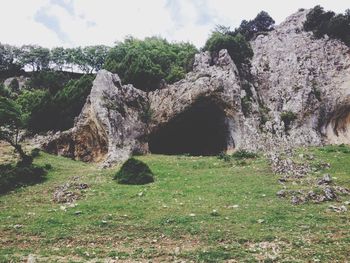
<point>85,22</point>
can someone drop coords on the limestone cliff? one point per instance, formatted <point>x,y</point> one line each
<point>297,92</point>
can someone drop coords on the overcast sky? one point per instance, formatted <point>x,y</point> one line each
<point>84,22</point>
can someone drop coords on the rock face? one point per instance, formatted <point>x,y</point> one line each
<point>311,78</point>
<point>297,92</point>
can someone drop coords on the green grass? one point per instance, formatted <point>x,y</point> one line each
<point>173,218</point>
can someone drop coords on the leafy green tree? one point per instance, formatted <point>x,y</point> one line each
<point>263,22</point>
<point>145,63</point>
<point>59,57</point>
<point>36,107</point>
<point>317,21</point>
<point>10,124</point>
<point>52,81</point>
<point>35,56</point>
<point>69,101</point>
<point>8,58</point>
<point>95,56</point>
<point>238,48</point>
<point>43,111</point>
<point>322,22</point>
<point>4,91</point>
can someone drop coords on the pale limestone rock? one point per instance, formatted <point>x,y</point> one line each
<point>291,71</point>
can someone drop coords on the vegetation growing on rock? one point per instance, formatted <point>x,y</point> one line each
<point>237,42</point>
<point>322,22</point>
<point>288,117</point>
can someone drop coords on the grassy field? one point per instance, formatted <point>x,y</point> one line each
<point>200,209</point>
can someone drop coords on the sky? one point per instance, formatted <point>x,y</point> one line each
<point>71,23</point>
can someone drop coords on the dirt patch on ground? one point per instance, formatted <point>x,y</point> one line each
<point>106,248</point>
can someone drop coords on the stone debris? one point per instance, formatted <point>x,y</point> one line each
<point>31,259</point>
<point>338,209</point>
<point>326,179</point>
<point>69,192</point>
<point>329,194</point>
<point>287,166</point>
<point>342,190</point>
<point>317,195</point>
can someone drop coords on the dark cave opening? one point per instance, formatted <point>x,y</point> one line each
<point>200,130</point>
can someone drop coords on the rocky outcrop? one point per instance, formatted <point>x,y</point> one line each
<point>306,76</point>
<point>18,83</point>
<point>110,126</point>
<point>296,93</point>
<point>117,120</point>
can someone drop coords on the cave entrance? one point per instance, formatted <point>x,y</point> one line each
<point>200,130</point>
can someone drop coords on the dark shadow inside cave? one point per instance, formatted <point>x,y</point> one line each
<point>200,130</point>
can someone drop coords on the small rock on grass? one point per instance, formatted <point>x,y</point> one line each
<point>339,209</point>
<point>31,259</point>
<point>177,250</point>
<point>326,179</point>
<point>214,213</point>
<point>282,193</point>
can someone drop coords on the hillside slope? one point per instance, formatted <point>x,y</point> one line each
<point>199,209</point>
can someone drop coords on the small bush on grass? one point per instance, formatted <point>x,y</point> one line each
<point>240,156</point>
<point>20,175</point>
<point>342,148</point>
<point>244,154</point>
<point>134,172</point>
<point>225,157</point>
<point>35,152</point>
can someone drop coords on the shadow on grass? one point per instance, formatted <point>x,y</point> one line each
<point>15,176</point>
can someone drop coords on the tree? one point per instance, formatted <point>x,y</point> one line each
<point>146,63</point>
<point>236,45</point>
<point>35,56</point>
<point>10,124</point>
<point>8,58</point>
<point>328,23</point>
<point>95,56</point>
<point>263,22</point>
<point>59,57</point>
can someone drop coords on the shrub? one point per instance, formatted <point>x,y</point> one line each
<point>35,152</point>
<point>244,154</point>
<point>48,166</point>
<point>19,175</point>
<point>134,172</point>
<point>246,105</point>
<point>236,45</point>
<point>288,117</point>
<point>4,91</point>
<point>239,155</point>
<point>224,156</point>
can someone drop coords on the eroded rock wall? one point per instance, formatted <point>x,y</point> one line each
<point>296,93</point>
